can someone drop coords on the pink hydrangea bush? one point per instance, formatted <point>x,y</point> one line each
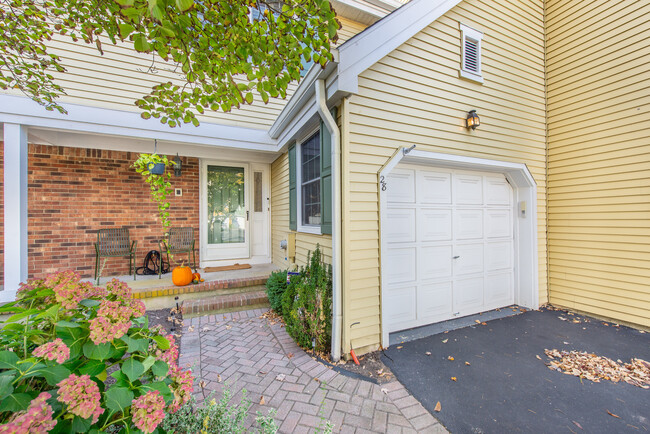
<point>69,333</point>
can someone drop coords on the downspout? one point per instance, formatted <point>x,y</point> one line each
<point>330,124</point>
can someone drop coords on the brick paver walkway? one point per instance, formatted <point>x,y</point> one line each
<point>240,350</point>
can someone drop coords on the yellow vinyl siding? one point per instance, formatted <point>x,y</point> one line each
<point>599,158</point>
<point>414,96</point>
<point>348,29</point>
<point>280,220</point>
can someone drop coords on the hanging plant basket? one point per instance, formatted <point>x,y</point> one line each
<point>156,168</point>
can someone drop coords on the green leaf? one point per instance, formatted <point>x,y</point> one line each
<point>16,402</point>
<point>133,369</point>
<point>51,312</point>
<point>6,388</point>
<point>118,398</point>
<point>121,380</point>
<point>97,351</point>
<point>8,360</point>
<point>55,374</point>
<point>31,368</point>
<point>81,425</point>
<point>249,98</point>
<point>89,302</point>
<point>148,362</point>
<point>162,342</point>
<point>159,386</point>
<point>135,345</point>
<point>126,30</point>
<point>69,324</point>
<point>93,368</point>
<point>160,368</point>
<point>140,43</point>
<point>73,336</point>
<point>184,5</point>
<point>19,316</point>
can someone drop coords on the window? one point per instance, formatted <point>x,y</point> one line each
<point>471,54</point>
<point>310,180</point>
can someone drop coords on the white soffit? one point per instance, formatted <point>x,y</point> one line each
<point>366,48</point>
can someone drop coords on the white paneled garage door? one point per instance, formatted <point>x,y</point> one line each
<point>449,239</point>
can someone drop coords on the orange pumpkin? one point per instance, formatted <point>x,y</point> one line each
<point>196,276</point>
<point>182,275</point>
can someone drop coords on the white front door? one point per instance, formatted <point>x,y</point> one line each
<point>225,211</point>
<point>450,245</point>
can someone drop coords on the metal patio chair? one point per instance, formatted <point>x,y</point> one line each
<point>179,240</point>
<point>114,243</point>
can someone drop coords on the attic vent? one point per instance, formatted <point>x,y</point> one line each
<point>471,54</point>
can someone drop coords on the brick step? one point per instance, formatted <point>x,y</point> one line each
<point>222,286</point>
<point>225,303</point>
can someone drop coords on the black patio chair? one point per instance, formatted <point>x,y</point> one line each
<point>114,243</point>
<point>179,240</point>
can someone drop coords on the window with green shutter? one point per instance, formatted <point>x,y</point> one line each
<point>310,183</point>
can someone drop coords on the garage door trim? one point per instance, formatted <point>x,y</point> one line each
<point>526,281</point>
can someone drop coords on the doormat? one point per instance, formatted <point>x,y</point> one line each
<point>227,268</point>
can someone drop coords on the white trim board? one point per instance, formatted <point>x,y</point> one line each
<point>22,110</point>
<point>524,190</point>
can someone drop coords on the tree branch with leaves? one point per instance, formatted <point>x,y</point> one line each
<point>223,56</point>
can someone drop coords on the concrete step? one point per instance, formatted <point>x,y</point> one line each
<point>165,297</point>
<point>223,303</point>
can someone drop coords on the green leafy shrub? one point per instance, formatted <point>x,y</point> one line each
<point>276,285</point>
<point>64,339</point>
<point>216,417</point>
<point>307,304</point>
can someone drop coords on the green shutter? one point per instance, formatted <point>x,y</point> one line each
<point>326,177</point>
<point>293,192</point>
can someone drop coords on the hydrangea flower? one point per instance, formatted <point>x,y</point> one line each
<point>113,319</point>
<point>169,356</point>
<point>147,411</point>
<point>55,350</point>
<point>69,290</point>
<point>182,386</point>
<point>118,288</point>
<point>82,396</point>
<point>37,419</point>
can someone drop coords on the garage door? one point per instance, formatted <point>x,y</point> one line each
<point>449,245</point>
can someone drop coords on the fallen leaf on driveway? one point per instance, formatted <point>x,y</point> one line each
<point>596,368</point>
<point>262,402</point>
<point>454,379</point>
<point>450,358</point>
<point>467,363</point>
<point>562,318</point>
<point>290,355</point>
<point>400,347</point>
<point>483,323</point>
<point>577,424</point>
<point>538,357</point>
<point>612,414</point>
<point>202,384</point>
<point>219,378</point>
<point>385,391</point>
<point>280,377</point>
<point>438,407</point>
<point>445,341</point>
<point>428,353</point>
<point>477,321</point>
<point>190,329</point>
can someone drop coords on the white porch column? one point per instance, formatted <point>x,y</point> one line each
<point>15,209</point>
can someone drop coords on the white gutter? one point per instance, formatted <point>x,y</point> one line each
<point>330,124</point>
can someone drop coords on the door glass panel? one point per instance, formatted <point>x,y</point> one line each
<point>257,200</point>
<point>226,205</point>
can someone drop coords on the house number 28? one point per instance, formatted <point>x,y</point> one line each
<point>382,181</point>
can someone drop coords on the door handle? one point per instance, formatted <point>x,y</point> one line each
<point>456,257</point>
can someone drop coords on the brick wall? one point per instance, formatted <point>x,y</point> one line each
<point>73,192</point>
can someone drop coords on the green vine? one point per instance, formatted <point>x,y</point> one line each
<point>160,185</point>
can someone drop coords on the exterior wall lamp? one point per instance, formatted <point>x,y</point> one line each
<point>178,165</point>
<point>472,120</point>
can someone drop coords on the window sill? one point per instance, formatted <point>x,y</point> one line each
<point>470,76</point>
<point>315,230</point>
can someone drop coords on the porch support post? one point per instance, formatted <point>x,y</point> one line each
<point>15,209</point>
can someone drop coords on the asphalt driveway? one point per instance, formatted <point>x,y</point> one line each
<point>506,388</point>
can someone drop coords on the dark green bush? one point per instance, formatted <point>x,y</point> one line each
<point>275,287</point>
<point>307,304</point>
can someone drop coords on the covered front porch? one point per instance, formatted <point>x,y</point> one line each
<point>67,177</point>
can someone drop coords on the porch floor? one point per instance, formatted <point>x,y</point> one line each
<point>152,282</point>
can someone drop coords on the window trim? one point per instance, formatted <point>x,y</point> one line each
<point>476,36</point>
<point>310,229</point>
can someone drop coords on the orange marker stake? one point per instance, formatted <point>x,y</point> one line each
<point>354,357</point>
